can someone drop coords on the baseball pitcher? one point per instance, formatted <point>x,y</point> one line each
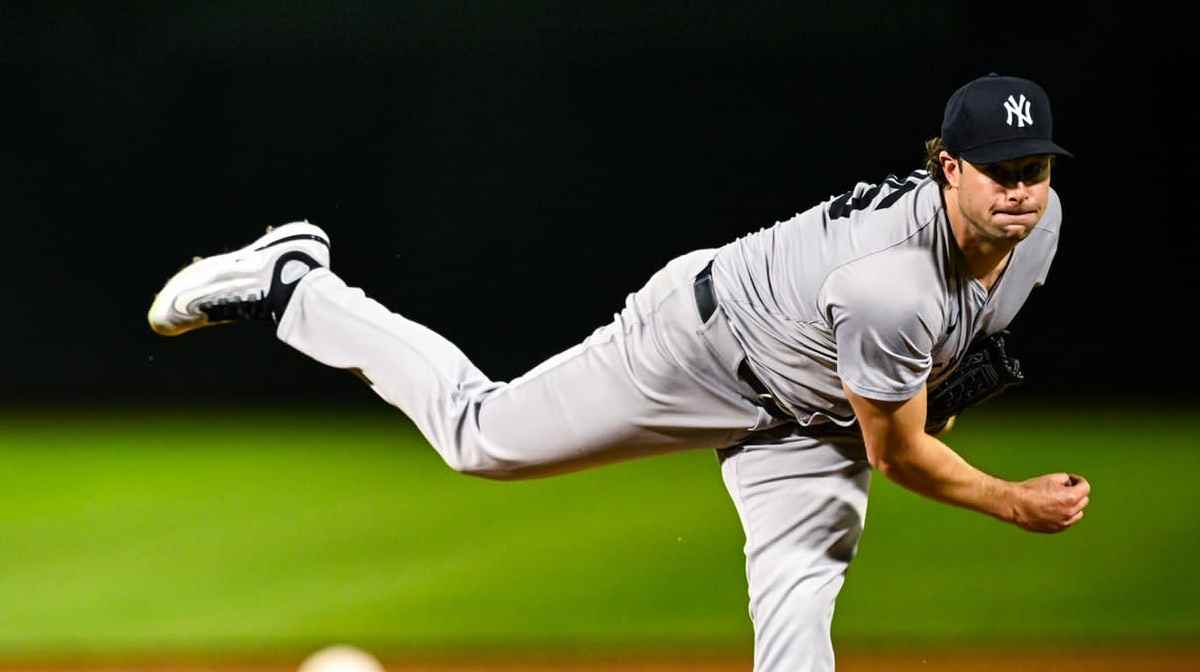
<point>806,353</point>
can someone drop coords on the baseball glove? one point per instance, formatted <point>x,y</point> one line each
<point>986,370</point>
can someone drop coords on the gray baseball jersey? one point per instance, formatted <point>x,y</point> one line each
<point>870,289</point>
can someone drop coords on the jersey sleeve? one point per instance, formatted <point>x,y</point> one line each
<point>884,322</point>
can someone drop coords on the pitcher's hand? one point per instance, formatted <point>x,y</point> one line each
<point>1051,503</point>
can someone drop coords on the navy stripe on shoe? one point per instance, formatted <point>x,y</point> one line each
<point>288,239</point>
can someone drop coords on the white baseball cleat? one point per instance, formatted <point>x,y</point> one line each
<point>253,283</point>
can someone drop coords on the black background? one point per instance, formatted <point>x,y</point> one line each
<point>507,172</point>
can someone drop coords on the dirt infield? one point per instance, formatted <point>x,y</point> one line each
<point>940,661</point>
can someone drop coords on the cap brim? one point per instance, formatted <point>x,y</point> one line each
<point>1012,149</point>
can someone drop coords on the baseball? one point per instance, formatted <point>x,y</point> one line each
<point>341,658</point>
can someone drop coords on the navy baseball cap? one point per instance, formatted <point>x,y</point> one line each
<point>996,118</point>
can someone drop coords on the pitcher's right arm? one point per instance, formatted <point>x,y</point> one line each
<point>898,446</point>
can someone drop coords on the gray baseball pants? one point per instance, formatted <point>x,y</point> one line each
<point>653,380</point>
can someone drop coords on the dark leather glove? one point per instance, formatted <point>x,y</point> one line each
<point>986,370</point>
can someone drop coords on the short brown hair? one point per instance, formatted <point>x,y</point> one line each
<point>933,164</point>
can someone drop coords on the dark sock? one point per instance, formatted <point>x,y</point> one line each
<point>288,272</point>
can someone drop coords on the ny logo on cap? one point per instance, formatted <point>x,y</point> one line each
<point>1021,109</point>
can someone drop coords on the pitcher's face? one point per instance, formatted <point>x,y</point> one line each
<point>1002,201</point>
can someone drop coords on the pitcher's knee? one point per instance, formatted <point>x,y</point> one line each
<point>482,465</point>
<point>491,472</point>
<point>502,448</point>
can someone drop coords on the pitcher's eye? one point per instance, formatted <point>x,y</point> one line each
<point>999,173</point>
<point>1034,172</point>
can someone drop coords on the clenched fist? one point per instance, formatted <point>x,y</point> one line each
<point>1050,503</point>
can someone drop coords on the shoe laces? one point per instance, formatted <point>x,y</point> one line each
<point>226,308</point>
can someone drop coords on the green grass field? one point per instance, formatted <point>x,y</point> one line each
<point>128,533</point>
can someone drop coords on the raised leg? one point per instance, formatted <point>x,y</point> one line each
<point>653,380</point>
